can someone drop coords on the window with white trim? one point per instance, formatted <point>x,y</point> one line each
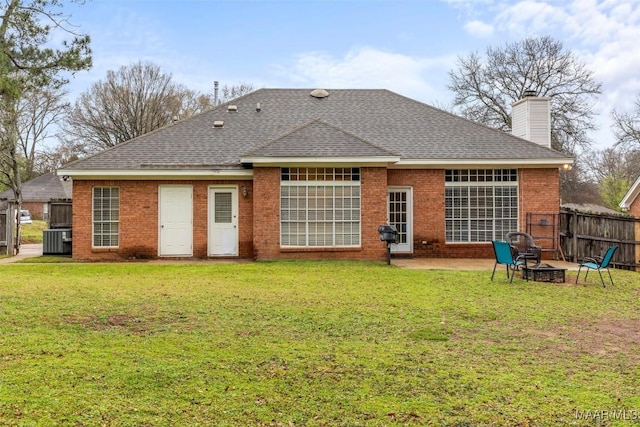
<point>481,205</point>
<point>106,216</point>
<point>320,207</point>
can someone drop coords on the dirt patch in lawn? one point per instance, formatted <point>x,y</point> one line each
<point>133,324</point>
<point>607,338</point>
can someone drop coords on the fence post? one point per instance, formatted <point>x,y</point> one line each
<point>636,237</point>
<point>574,227</point>
<point>11,224</point>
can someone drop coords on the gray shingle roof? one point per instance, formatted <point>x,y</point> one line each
<point>318,139</point>
<point>349,122</point>
<point>42,189</point>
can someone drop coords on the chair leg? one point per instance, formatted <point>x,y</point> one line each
<point>494,270</point>
<point>601,279</point>
<point>610,278</point>
<point>578,275</point>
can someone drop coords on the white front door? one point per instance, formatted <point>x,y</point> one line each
<point>223,221</point>
<point>400,215</point>
<point>175,220</point>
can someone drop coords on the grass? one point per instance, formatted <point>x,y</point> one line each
<point>312,344</point>
<point>32,233</point>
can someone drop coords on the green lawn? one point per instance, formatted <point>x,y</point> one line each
<point>32,233</point>
<point>312,344</point>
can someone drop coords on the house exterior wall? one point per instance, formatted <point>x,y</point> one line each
<point>139,219</point>
<point>259,222</point>
<point>428,208</point>
<point>634,209</point>
<point>538,191</point>
<point>267,219</point>
<point>35,209</point>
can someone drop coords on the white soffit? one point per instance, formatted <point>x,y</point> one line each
<point>157,174</point>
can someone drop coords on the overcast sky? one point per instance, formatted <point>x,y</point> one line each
<point>407,46</point>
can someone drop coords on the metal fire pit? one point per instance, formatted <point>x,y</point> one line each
<point>544,273</point>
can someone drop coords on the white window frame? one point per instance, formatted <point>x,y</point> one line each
<point>463,217</point>
<point>110,221</point>
<point>320,208</point>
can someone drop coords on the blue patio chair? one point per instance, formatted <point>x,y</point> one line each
<point>595,264</point>
<point>504,256</point>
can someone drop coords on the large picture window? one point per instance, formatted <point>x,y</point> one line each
<point>106,216</point>
<point>320,207</point>
<point>481,205</point>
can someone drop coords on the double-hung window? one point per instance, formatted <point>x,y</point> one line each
<point>106,216</point>
<point>320,207</point>
<point>481,205</point>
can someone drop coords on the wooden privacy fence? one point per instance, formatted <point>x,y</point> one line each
<point>60,213</point>
<point>7,213</point>
<point>590,234</point>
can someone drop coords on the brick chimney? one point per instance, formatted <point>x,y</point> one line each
<point>531,119</point>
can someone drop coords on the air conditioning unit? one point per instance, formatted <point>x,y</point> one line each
<point>56,241</point>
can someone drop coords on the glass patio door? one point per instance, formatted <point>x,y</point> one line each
<point>400,215</point>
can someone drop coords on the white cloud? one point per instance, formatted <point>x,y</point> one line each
<point>369,68</point>
<point>479,29</point>
<point>603,34</point>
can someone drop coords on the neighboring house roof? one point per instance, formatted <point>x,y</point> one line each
<point>43,189</point>
<point>631,196</point>
<point>290,123</point>
<point>590,208</point>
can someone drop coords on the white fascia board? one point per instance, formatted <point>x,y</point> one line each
<point>631,196</point>
<point>157,173</point>
<point>335,161</point>
<point>464,163</point>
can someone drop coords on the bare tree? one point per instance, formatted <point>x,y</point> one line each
<point>130,102</point>
<point>485,88</point>
<point>235,91</point>
<point>626,127</point>
<point>38,111</point>
<point>52,158</point>
<point>614,161</point>
<point>37,48</point>
<point>614,169</point>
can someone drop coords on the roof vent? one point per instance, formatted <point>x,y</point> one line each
<point>258,109</point>
<point>529,92</point>
<point>232,108</point>
<point>319,93</point>
<point>218,123</point>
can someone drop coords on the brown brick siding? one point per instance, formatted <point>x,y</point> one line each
<point>634,209</point>
<point>267,219</point>
<point>538,190</point>
<point>139,218</point>
<point>259,223</point>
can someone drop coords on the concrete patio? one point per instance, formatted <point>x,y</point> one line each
<point>464,264</point>
<point>35,250</point>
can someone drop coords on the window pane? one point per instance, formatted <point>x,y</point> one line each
<point>480,205</point>
<point>106,216</point>
<point>322,210</point>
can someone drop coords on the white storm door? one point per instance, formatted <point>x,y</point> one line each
<point>400,215</point>
<point>223,221</point>
<point>176,220</point>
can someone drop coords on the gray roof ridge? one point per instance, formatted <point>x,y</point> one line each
<point>317,120</point>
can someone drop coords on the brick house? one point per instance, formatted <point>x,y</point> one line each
<point>631,202</point>
<point>295,173</point>
<point>39,192</point>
